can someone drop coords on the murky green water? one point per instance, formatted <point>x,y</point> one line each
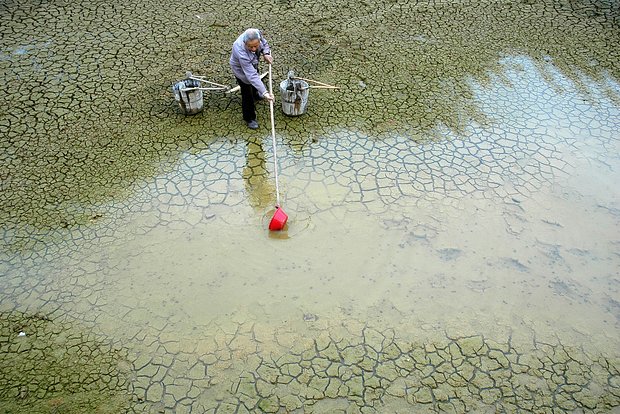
<point>453,209</point>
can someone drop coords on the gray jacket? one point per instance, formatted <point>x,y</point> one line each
<point>244,63</point>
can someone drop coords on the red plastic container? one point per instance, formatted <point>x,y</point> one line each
<point>278,220</point>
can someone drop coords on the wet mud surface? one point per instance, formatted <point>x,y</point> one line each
<point>452,243</point>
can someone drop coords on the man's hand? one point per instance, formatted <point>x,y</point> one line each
<point>268,59</point>
<point>268,96</point>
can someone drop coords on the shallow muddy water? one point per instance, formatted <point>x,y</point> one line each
<point>452,243</point>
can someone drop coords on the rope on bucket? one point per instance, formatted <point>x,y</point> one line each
<point>273,138</point>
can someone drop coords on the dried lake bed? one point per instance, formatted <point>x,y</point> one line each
<point>452,243</point>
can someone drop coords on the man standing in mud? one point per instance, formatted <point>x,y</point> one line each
<point>244,58</point>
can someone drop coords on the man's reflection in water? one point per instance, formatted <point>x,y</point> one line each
<point>259,187</point>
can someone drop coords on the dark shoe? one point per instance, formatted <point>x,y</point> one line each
<point>253,124</point>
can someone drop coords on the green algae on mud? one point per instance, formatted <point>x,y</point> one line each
<point>76,403</point>
<point>47,366</point>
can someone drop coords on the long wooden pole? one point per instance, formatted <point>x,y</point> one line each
<point>273,138</point>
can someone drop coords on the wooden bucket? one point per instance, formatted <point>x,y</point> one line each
<point>294,96</point>
<point>190,101</point>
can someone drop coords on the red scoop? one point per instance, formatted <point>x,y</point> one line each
<point>279,220</point>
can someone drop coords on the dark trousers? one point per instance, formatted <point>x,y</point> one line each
<point>249,95</point>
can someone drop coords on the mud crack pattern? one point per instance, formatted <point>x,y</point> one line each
<point>380,373</point>
<point>440,103</point>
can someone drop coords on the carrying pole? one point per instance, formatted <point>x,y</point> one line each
<point>325,85</point>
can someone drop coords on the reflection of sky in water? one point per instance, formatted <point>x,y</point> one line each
<point>481,201</point>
